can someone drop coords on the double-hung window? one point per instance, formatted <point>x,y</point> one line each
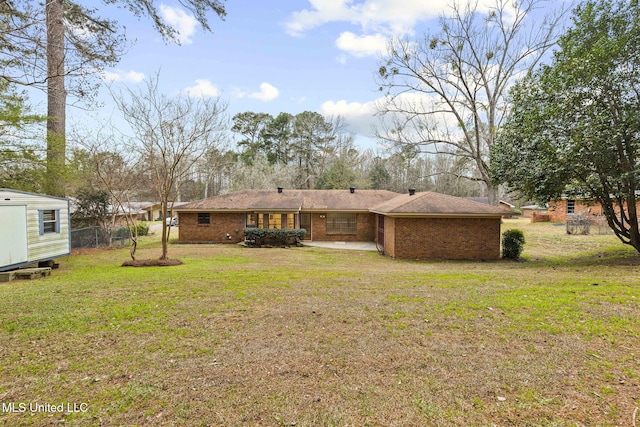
<point>49,221</point>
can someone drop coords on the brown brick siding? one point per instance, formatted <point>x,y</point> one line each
<point>220,224</point>
<point>536,217</point>
<point>365,229</point>
<point>390,236</point>
<point>443,238</point>
<point>234,223</point>
<point>558,209</point>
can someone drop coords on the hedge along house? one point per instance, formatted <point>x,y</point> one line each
<point>414,225</point>
<point>34,228</point>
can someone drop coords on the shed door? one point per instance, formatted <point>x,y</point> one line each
<point>13,229</point>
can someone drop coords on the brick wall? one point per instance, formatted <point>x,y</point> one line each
<point>536,217</point>
<point>558,209</point>
<point>390,236</point>
<point>365,229</point>
<point>220,224</point>
<point>443,238</point>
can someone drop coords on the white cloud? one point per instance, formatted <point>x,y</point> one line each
<point>359,116</point>
<point>202,88</point>
<point>123,76</point>
<point>378,20</point>
<point>347,109</point>
<point>184,24</point>
<point>267,93</point>
<point>389,16</point>
<point>322,11</point>
<point>361,46</point>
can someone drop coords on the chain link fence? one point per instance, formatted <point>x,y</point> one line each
<point>587,224</point>
<point>93,237</point>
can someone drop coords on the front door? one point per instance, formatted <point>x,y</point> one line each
<point>305,223</point>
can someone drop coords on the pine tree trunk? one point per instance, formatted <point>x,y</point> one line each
<point>56,99</point>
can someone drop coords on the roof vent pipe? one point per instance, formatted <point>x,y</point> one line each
<point>279,189</point>
<point>352,190</point>
<point>412,191</point>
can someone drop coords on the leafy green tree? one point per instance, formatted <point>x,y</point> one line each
<point>339,175</point>
<point>251,126</point>
<point>93,208</point>
<point>575,125</point>
<point>277,136</point>
<point>379,177</point>
<point>21,164</point>
<point>312,135</point>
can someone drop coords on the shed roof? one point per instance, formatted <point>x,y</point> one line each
<point>430,203</point>
<point>29,194</point>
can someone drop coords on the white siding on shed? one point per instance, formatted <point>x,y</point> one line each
<point>13,228</point>
<point>40,246</point>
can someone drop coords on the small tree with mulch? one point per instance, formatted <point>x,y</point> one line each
<point>151,262</point>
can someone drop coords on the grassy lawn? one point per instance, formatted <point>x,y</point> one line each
<point>322,337</point>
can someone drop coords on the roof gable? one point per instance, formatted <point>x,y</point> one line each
<point>430,203</point>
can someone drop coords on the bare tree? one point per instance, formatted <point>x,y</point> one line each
<point>115,171</point>
<point>171,134</point>
<point>446,92</point>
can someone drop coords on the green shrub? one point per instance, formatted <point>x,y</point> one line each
<point>273,236</point>
<point>512,244</point>
<point>142,228</point>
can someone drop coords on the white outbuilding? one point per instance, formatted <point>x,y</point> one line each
<point>34,228</point>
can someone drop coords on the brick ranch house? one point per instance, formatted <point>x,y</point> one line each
<point>560,210</point>
<point>422,225</point>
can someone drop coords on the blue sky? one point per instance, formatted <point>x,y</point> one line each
<point>275,56</point>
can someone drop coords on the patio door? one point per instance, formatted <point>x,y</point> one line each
<point>381,231</point>
<point>305,223</point>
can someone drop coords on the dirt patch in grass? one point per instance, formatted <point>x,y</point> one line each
<point>151,262</point>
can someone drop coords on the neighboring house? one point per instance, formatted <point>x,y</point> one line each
<point>501,203</point>
<point>559,209</point>
<point>414,225</point>
<point>137,210</point>
<point>117,215</point>
<point>34,229</point>
<point>154,211</point>
<point>529,211</point>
